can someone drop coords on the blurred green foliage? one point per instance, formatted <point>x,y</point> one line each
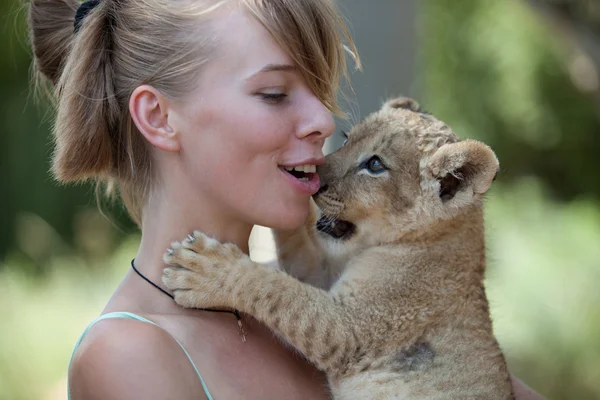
<point>25,149</point>
<point>42,319</point>
<point>543,273</point>
<point>494,70</point>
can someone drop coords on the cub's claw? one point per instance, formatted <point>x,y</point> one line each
<point>202,271</point>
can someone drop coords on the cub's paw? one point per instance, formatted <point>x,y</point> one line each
<point>203,271</point>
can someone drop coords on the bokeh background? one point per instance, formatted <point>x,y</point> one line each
<point>521,75</point>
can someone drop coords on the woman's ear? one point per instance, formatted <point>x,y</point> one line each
<point>149,110</point>
<point>459,171</point>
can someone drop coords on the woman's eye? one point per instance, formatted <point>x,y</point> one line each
<point>273,98</point>
<point>375,165</point>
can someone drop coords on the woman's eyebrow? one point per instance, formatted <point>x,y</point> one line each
<point>274,67</point>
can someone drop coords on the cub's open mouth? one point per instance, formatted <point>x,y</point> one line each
<point>336,228</point>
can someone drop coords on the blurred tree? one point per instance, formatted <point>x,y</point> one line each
<point>493,70</point>
<point>581,15</point>
<point>26,145</point>
<point>579,22</point>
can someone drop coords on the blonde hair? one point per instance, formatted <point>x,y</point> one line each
<point>122,44</point>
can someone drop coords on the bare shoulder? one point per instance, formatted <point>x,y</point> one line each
<point>128,359</point>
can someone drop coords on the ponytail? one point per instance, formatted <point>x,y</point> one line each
<point>87,124</point>
<point>51,31</point>
<point>79,66</point>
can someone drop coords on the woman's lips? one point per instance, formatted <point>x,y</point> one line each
<point>308,184</point>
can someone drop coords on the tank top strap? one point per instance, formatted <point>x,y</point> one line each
<point>128,315</point>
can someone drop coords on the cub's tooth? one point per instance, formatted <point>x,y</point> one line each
<point>306,168</point>
<point>313,169</point>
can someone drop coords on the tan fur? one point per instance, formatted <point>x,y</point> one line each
<point>406,316</point>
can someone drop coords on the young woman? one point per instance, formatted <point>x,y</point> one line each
<point>191,110</point>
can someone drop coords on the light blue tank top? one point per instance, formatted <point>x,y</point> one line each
<point>128,315</point>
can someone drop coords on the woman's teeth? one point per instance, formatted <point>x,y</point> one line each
<point>307,168</point>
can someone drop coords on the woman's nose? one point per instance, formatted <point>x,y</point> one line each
<point>317,122</point>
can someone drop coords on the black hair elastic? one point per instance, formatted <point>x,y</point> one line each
<point>83,11</point>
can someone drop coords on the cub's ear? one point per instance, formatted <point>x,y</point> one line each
<point>458,172</point>
<point>402,102</point>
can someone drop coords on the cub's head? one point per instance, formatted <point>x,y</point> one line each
<point>401,171</point>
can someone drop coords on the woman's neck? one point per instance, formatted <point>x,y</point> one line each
<point>169,217</point>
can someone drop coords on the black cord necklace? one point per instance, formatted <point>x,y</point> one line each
<point>234,312</point>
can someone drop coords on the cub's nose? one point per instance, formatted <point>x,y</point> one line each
<point>321,190</point>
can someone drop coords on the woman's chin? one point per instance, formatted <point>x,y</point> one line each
<point>290,219</point>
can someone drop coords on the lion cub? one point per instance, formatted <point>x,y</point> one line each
<point>400,240</point>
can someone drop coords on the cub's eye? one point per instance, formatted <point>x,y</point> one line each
<point>375,165</point>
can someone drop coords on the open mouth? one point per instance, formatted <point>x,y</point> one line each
<point>336,228</point>
<point>303,173</point>
<point>303,177</point>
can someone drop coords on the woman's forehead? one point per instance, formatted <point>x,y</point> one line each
<point>245,47</point>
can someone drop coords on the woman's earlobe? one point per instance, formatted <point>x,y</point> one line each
<point>149,110</point>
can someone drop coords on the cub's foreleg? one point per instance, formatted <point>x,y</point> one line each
<point>207,273</point>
